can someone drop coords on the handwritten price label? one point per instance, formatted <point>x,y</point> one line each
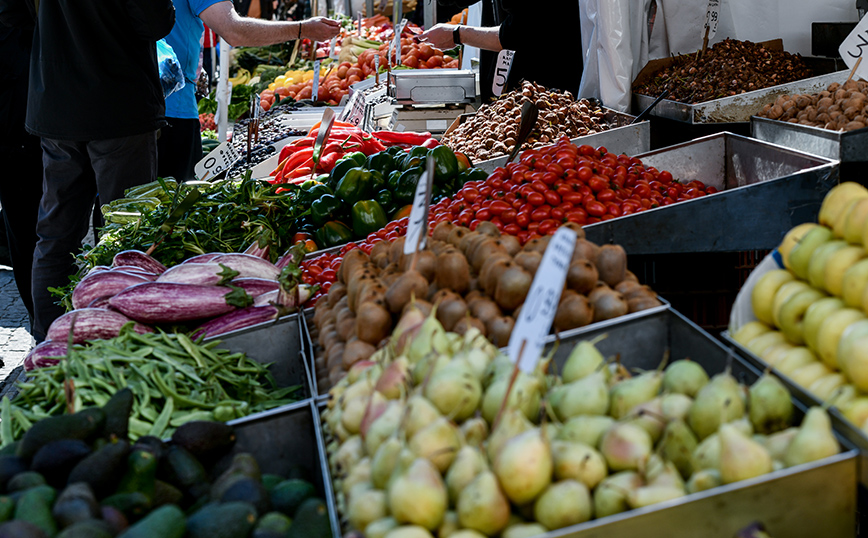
<point>854,47</point>
<point>217,161</point>
<point>417,228</point>
<point>354,111</point>
<point>501,71</point>
<point>712,17</point>
<point>538,312</point>
<point>332,54</point>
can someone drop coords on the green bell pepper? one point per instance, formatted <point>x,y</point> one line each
<point>395,152</point>
<point>368,217</point>
<point>324,208</point>
<point>418,151</point>
<point>357,156</point>
<point>381,162</point>
<point>471,174</point>
<point>407,185</point>
<point>445,164</point>
<point>412,161</point>
<point>392,181</point>
<point>378,180</point>
<point>333,233</point>
<point>385,199</point>
<point>356,185</point>
<point>340,170</point>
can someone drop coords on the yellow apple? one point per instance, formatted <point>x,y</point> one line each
<point>776,352</point>
<point>792,239</point>
<point>792,313</point>
<point>826,386</point>
<point>815,316</point>
<point>759,344</point>
<point>838,264</point>
<point>806,375</point>
<point>848,338</point>
<point>762,296</point>
<point>749,331</point>
<point>854,283</point>
<point>787,290</point>
<point>830,333</point>
<point>800,256</point>
<point>839,228</point>
<point>837,199</point>
<point>817,265</point>
<point>857,363</point>
<point>855,222</point>
<point>795,359</point>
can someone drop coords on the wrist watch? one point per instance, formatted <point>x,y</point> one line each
<point>456,35</point>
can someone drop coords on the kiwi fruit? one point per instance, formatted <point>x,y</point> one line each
<point>396,251</point>
<point>612,264</point>
<point>335,356</point>
<point>499,330</point>
<point>580,232</point>
<point>538,244</point>
<point>426,264</point>
<point>492,270</point>
<point>421,305</point>
<point>405,287</point>
<point>453,271</point>
<point>609,304</point>
<point>582,276</point>
<point>512,287</point>
<point>450,311</point>
<point>511,244</point>
<point>466,323</point>
<point>338,290</point>
<point>573,312</point>
<point>626,286</point>
<point>441,231</point>
<point>644,302</point>
<point>529,259</point>
<point>638,292</point>
<point>488,228</point>
<point>441,295</point>
<point>375,292</point>
<point>484,309</point>
<point>456,235</point>
<point>350,260</point>
<point>373,322</point>
<point>599,288</point>
<point>346,328</point>
<point>587,250</point>
<point>485,250</point>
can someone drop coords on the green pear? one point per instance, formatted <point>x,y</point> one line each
<point>684,377</point>
<point>845,343</point>
<point>814,441</point>
<point>648,495</point>
<point>468,463</point>
<point>439,442</point>
<point>839,227</point>
<point>770,407</point>
<point>450,525</point>
<point>418,495</point>
<point>587,429</point>
<point>629,393</point>
<point>365,507</point>
<point>524,466</point>
<point>777,443</point>
<point>454,390</point>
<point>815,315</point>
<point>830,333</point>
<point>792,313</point>
<point>856,410</point>
<point>584,360</point>
<point>764,291</point>
<point>792,238</point>
<point>819,259</point>
<point>649,416</point>
<point>563,504</point>
<point>610,496</point>
<point>721,400</point>
<point>525,394</point>
<point>482,505</point>
<point>854,283</point>
<point>800,256</point>
<point>794,359</point>
<point>741,457</point>
<point>379,528</point>
<point>523,530</point>
<point>772,355</point>
<point>678,445</point>
<point>675,406</point>
<point>587,396</point>
<point>625,446</point>
<point>837,265</point>
<point>838,199</point>
<point>855,222</point>
<point>704,479</point>
<point>578,461</point>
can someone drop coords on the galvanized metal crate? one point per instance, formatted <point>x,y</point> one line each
<point>847,147</point>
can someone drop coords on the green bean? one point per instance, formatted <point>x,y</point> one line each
<point>163,420</point>
<point>139,428</point>
<point>191,349</point>
<point>6,421</point>
<point>181,400</point>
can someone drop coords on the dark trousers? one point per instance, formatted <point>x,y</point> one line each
<point>179,148</point>
<point>74,173</point>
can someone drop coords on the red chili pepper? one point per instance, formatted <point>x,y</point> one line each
<point>298,158</point>
<point>285,152</point>
<point>430,143</point>
<point>406,137</point>
<point>279,166</point>
<point>328,162</point>
<point>300,172</point>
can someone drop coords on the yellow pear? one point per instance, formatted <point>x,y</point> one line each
<point>830,333</point>
<point>817,265</point>
<point>814,441</point>
<point>792,239</point>
<point>815,316</point>
<point>749,331</point>
<point>856,362</point>
<point>824,387</point>
<point>792,313</point>
<point>848,338</point>
<point>806,375</point>
<point>854,283</point>
<point>787,290</point>
<point>775,353</point>
<point>837,199</point>
<point>838,264</point>
<point>839,228</point>
<point>800,256</point>
<point>762,295</point>
<point>856,410</point>
<point>740,456</point>
<point>795,359</point>
<point>762,342</point>
<point>855,222</point>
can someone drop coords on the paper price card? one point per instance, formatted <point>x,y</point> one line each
<point>855,47</point>
<point>538,311</point>
<point>332,54</point>
<point>218,160</point>
<point>712,17</point>
<point>501,71</point>
<point>417,228</point>
<point>354,111</point>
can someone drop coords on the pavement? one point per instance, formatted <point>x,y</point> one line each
<point>15,339</point>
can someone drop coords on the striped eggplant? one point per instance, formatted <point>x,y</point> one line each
<point>169,302</point>
<point>97,269</point>
<point>256,286</point>
<point>289,299</point>
<point>207,274</point>
<point>292,256</point>
<point>133,270</point>
<point>47,353</point>
<point>102,283</point>
<point>139,259</point>
<point>91,324</point>
<point>266,298</point>
<point>248,266</point>
<point>202,258</point>
<point>239,319</point>
<point>255,250</point>
<point>101,302</point>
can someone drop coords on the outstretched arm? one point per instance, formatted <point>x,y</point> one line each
<point>244,31</point>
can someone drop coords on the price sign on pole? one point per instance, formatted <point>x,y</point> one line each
<point>712,17</point>
<point>332,54</point>
<point>855,47</point>
<point>218,160</point>
<point>398,32</point>
<point>501,71</point>
<point>359,18</point>
<point>417,228</point>
<point>538,312</point>
<point>354,111</point>
<point>314,92</point>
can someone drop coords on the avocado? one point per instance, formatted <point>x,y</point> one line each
<point>34,506</point>
<point>271,480</point>
<point>91,528</point>
<point>7,508</point>
<point>117,414</point>
<point>164,522</point>
<point>140,475</point>
<point>25,480</point>
<point>165,493</point>
<point>223,520</point>
<point>82,425</point>
<point>248,490</point>
<point>272,525</point>
<point>20,529</point>
<point>132,505</point>
<point>243,465</point>
<point>9,450</point>
<point>311,520</point>
<point>180,469</point>
<point>75,503</point>
<point>9,467</point>
<point>287,496</point>
<point>207,441</point>
<point>56,459</point>
<point>151,444</point>
<point>115,518</point>
<point>102,469</point>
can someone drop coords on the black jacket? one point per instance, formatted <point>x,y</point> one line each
<point>93,70</point>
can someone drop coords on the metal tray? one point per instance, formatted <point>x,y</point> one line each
<point>765,190</point>
<point>846,147</point>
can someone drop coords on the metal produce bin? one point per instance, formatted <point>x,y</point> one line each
<point>765,190</point>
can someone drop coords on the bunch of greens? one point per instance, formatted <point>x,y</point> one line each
<point>239,103</point>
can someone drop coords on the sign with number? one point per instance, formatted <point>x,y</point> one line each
<point>354,111</point>
<point>359,18</point>
<point>314,92</point>
<point>538,311</point>
<point>417,228</point>
<point>855,47</point>
<point>501,71</point>
<point>217,161</point>
<point>712,17</point>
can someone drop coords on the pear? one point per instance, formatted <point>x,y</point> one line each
<point>355,409</point>
<point>587,396</point>
<point>814,441</point>
<point>675,406</point>
<point>430,336</point>
<point>703,480</point>
<point>419,413</point>
<point>684,377</point>
<point>795,359</point>
<point>359,475</point>
<point>761,343</point>
<point>707,454</point>
<point>854,283</point>
<point>562,504</point>
<point>792,238</point>
<point>741,457</point>
<point>839,198</point>
<point>659,472</point>
<point>856,410</point>
<point>439,442</point>
<point>418,496</point>
<point>475,431</point>
<point>805,375</point>
<point>845,343</point>
<point>678,445</point>
<point>814,317</point>
<point>625,446</point>
<point>584,360</point>
<point>610,497</point>
<point>347,455</point>
<point>523,530</point>
<point>392,383</point>
<point>770,408</point>
<point>777,443</point>
<point>578,461</point>
<point>837,266</point>
<point>408,531</point>
<point>587,429</point>
<point>464,533</point>
<point>477,359</point>
<point>787,290</point>
<point>449,526</point>
<point>819,259</point>
<point>826,386</point>
<point>764,291</point>
<point>525,394</point>
<point>855,364</point>
<point>721,400</point>
<point>792,313</point>
<point>383,462</point>
<point>524,466</point>
<point>746,333</point>
<point>649,416</point>
<point>629,393</point>
<point>482,505</point>
<point>511,424</point>
<point>501,366</point>
<point>379,528</point>
<point>384,426</point>
<point>455,390</point>
<point>366,507</point>
<point>468,463</point>
<point>648,495</point>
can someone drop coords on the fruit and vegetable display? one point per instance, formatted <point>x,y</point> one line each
<point>728,68</point>
<point>467,279</point>
<point>812,325</point>
<point>492,131</point>
<point>79,475</point>
<point>172,379</point>
<point>423,445</point>
<point>840,107</point>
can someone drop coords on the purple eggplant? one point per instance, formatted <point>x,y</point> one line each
<point>256,286</point>
<point>291,256</point>
<point>202,258</point>
<point>207,274</point>
<point>92,324</point>
<point>97,269</point>
<point>101,302</point>
<point>170,302</point>
<point>139,259</point>
<point>47,353</point>
<point>286,300</point>
<point>266,298</point>
<point>248,266</point>
<point>255,250</point>
<point>102,283</point>
<point>138,271</point>
<point>240,319</point>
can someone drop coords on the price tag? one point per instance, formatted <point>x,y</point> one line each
<point>332,54</point>
<point>359,18</point>
<point>354,111</point>
<point>314,92</point>
<point>398,32</point>
<point>712,17</point>
<point>501,71</point>
<point>217,161</point>
<point>854,47</point>
<point>256,105</point>
<point>538,312</point>
<point>417,228</point>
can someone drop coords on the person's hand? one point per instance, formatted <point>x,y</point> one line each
<point>320,29</point>
<point>439,36</point>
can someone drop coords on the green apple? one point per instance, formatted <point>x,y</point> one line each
<point>855,222</point>
<point>817,265</point>
<point>806,375</point>
<point>854,283</point>
<point>762,295</point>
<point>857,363</point>
<point>830,333</point>
<point>795,359</point>
<point>749,331</point>
<point>787,290</point>
<point>816,315</point>
<point>792,239</point>
<point>792,313</point>
<point>837,199</point>
<point>838,264</point>
<point>759,344</point>
<point>800,256</point>
<point>775,352</point>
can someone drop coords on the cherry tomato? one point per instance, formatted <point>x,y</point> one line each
<point>522,219</point>
<point>508,215</point>
<point>536,198</point>
<point>664,177</point>
<point>483,214</point>
<point>552,198</point>
<point>598,183</point>
<point>595,209</point>
<point>578,215</point>
<point>512,229</point>
<point>546,226</point>
<point>328,275</point>
<point>585,173</point>
<point>541,213</point>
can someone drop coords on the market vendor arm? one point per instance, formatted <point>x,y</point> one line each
<point>442,36</point>
<point>245,31</point>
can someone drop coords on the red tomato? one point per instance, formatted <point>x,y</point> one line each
<point>522,218</point>
<point>595,209</point>
<point>585,173</point>
<point>552,198</point>
<point>512,229</point>
<point>410,61</point>
<point>598,183</point>
<point>541,213</point>
<point>536,198</point>
<point>508,216</point>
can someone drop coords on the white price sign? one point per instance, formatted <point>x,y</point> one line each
<point>501,71</point>
<point>712,17</point>
<point>314,92</point>
<point>332,54</point>
<point>417,228</point>
<point>359,18</point>
<point>538,312</point>
<point>854,47</point>
<point>354,111</point>
<point>398,32</point>
<point>218,160</point>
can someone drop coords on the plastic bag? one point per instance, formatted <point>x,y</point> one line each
<point>171,74</point>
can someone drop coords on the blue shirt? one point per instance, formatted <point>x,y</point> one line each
<point>186,40</point>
